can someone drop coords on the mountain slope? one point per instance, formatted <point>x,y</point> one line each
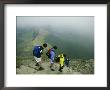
<point>32,69</point>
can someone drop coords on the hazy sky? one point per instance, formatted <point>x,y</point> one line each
<point>82,24</point>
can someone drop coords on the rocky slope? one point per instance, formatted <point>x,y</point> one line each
<point>32,69</point>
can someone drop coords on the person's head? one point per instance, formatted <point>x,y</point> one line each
<point>44,45</point>
<point>55,47</point>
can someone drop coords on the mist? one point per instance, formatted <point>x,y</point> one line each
<point>77,33</point>
<point>81,24</point>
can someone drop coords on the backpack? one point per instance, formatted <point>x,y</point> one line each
<point>36,51</point>
<point>57,59</point>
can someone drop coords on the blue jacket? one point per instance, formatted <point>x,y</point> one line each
<point>52,54</point>
<point>37,51</point>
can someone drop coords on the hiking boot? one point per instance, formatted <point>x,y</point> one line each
<point>52,69</point>
<point>37,64</point>
<point>41,68</point>
<point>60,70</point>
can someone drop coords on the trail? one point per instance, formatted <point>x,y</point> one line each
<point>32,69</point>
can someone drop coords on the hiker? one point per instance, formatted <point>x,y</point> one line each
<point>67,62</point>
<point>61,61</point>
<point>37,52</point>
<point>51,56</point>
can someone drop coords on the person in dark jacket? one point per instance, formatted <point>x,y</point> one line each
<point>37,52</point>
<point>67,60</point>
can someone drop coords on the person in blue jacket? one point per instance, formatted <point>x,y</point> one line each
<point>52,57</point>
<point>37,52</point>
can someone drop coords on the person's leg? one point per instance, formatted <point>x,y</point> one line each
<point>51,64</point>
<point>68,64</point>
<point>60,69</point>
<point>36,61</point>
<point>39,64</point>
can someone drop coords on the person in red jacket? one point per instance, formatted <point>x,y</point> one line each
<point>51,56</point>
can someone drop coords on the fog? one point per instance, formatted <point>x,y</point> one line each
<point>76,32</point>
<point>79,24</point>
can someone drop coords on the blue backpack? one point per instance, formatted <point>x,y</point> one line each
<point>36,51</point>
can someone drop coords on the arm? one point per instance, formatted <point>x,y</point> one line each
<point>41,50</point>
